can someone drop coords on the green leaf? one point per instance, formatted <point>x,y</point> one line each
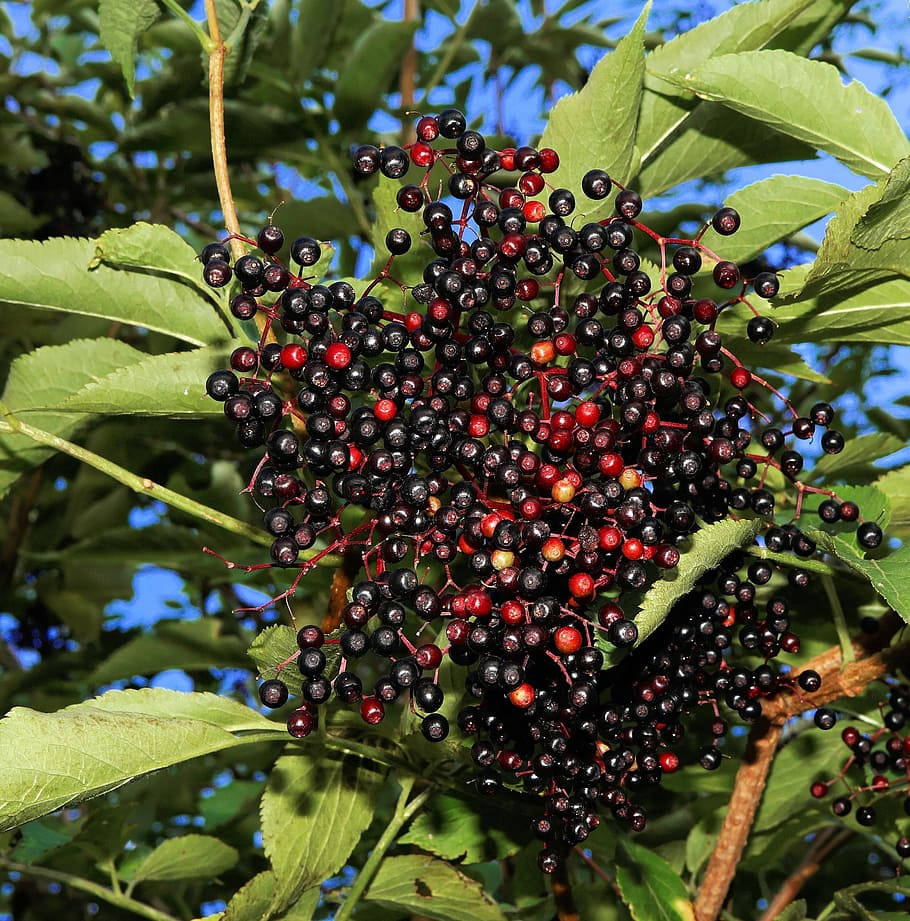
<point>15,219</point>
<point>242,28</point>
<point>854,461</point>
<point>191,645</point>
<point>251,903</point>
<point>744,27</point>
<point>888,571</point>
<point>43,836</point>
<point>772,210</point>
<point>595,127</point>
<point>229,802</point>
<point>429,887</point>
<point>874,312</point>
<point>323,218</point>
<point>154,248</point>
<point>810,756</point>
<point>453,829</point>
<point>650,888</point>
<point>862,245</point>
<point>369,69</point>
<point>58,278</point>
<point>775,356</point>
<point>896,486</point>
<point>409,267</point>
<point>168,545</point>
<point>121,23</point>
<point>187,857</point>
<point>806,100</point>
<point>707,547</point>
<point>311,41</point>
<point>172,384</point>
<point>711,141</point>
<point>276,644</point>
<point>96,746</point>
<point>795,911</point>
<point>314,810</point>
<point>45,378</point>
<point>888,219</point>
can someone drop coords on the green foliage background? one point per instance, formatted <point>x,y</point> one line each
<point>152,803</point>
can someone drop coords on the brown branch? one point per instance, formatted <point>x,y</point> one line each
<point>342,580</point>
<point>216,128</point>
<point>826,842</point>
<point>562,894</point>
<point>873,661</point>
<point>408,81</point>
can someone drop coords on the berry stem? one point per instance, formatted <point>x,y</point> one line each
<point>404,811</point>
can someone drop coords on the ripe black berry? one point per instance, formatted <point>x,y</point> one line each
<point>869,535</point>
<point>726,221</point>
<point>273,693</point>
<point>595,184</point>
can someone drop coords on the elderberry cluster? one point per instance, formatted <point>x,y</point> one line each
<point>518,442</point>
<point>889,766</point>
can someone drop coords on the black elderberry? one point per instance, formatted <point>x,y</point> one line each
<point>273,693</point>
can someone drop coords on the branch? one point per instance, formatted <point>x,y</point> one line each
<point>453,44</point>
<point>403,813</point>
<point>141,485</point>
<point>562,894</point>
<point>217,52</point>
<point>826,842</point>
<point>342,580</point>
<point>86,885</point>
<point>408,69</point>
<point>838,680</point>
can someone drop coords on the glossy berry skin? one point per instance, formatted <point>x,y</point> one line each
<point>825,718</point>
<point>726,221</point>
<point>301,723</point>
<point>305,251</point>
<point>217,273</point>
<point>596,184</point>
<point>766,285</point>
<point>865,816</point>
<point>434,727</point>
<point>760,330</point>
<point>869,535</point>
<point>810,681</point>
<point>273,693</point>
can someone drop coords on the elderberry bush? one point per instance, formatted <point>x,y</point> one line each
<point>518,450</point>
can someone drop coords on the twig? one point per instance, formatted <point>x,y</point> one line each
<point>407,80</point>
<point>562,894</point>
<point>873,661</point>
<point>403,813</point>
<point>141,485</point>
<point>198,31</point>
<point>826,842</point>
<point>95,889</point>
<point>217,52</point>
<point>453,44</point>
